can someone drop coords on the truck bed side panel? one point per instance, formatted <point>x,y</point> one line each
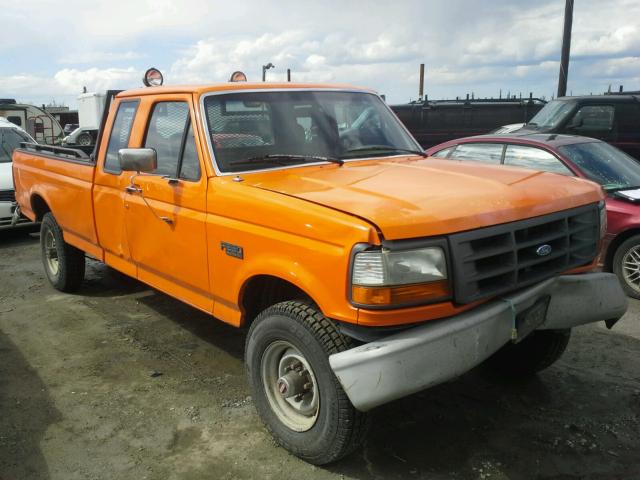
<point>66,187</point>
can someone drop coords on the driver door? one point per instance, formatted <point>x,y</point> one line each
<point>165,209</point>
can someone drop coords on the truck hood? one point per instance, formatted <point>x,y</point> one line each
<point>6,178</point>
<point>408,197</point>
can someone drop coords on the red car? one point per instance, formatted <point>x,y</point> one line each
<point>614,170</point>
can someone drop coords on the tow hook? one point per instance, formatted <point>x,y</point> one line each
<point>15,216</point>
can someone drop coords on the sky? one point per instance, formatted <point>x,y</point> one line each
<point>50,50</point>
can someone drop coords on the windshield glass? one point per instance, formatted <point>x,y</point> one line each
<point>604,164</point>
<point>259,130</point>
<point>10,139</point>
<point>552,114</point>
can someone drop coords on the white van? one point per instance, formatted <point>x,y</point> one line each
<point>10,137</point>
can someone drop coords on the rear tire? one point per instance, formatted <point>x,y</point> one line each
<point>63,264</point>
<point>319,424</point>
<point>84,139</point>
<point>541,349</point>
<point>626,265</point>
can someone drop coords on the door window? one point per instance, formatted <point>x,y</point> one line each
<point>170,134</point>
<point>534,158</point>
<point>443,153</point>
<point>592,119</point>
<point>479,152</point>
<point>120,133</point>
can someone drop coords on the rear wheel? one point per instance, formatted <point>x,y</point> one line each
<point>295,391</point>
<point>63,264</point>
<point>541,349</point>
<point>626,265</point>
<point>85,139</point>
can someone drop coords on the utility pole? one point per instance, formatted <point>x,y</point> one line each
<point>288,74</point>
<point>421,88</point>
<point>566,48</point>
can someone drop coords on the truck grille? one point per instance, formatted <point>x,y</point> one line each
<point>7,196</point>
<point>497,259</point>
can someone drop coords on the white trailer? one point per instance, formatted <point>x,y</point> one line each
<point>90,110</point>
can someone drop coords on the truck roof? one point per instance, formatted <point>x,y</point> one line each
<point>215,87</point>
<point>608,98</point>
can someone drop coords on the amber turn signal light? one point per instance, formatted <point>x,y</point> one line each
<point>379,296</point>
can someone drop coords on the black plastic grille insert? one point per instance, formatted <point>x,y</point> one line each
<point>497,259</point>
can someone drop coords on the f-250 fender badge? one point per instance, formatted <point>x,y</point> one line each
<point>232,250</point>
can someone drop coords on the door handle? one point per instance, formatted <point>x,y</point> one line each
<point>133,189</point>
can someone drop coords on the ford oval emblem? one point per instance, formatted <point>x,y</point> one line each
<point>543,250</point>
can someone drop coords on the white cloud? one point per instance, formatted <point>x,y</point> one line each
<point>83,56</point>
<point>466,46</point>
<point>67,83</point>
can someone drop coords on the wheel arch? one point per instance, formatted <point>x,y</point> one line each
<point>263,290</point>
<point>39,206</point>
<point>615,243</point>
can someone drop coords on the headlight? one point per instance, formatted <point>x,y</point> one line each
<point>602,206</point>
<point>385,277</point>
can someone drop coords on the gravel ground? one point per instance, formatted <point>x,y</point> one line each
<point>122,382</point>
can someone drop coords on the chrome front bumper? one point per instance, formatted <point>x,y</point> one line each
<point>415,359</point>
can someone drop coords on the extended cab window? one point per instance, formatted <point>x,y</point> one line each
<point>535,159</point>
<point>170,134</point>
<point>120,134</point>
<point>479,152</point>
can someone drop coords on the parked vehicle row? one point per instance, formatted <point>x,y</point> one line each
<point>613,118</point>
<point>363,270</point>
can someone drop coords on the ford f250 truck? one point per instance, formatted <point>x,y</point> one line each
<point>308,214</point>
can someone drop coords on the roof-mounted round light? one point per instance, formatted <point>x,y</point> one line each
<point>152,78</point>
<point>238,76</point>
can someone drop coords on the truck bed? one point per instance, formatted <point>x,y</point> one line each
<point>59,180</point>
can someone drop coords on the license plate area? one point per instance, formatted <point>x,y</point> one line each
<point>530,319</point>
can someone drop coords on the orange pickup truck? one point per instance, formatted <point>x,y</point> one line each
<point>363,271</point>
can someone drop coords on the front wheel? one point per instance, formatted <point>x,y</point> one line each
<point>63,264</point>
<point>295,391</point>
<point>626,265</point>
<point>541,349</point>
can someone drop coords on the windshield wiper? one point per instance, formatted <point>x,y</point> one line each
<point>388,148</point>
<point>275,157</point>
<point>618,188</point>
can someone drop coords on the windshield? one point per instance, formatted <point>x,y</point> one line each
<point>260,130</point>
<point>604,164</point>
<point>10,139</point>
<point>552,114</point>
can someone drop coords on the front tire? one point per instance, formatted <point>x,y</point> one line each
<point>626,265</point>
<point>540,350</point>
<point>296,394</point>
<point>63,264</point>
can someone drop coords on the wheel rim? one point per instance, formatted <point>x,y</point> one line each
<point>290,386</point>
<point>51,253</point>
<point>631,267</point>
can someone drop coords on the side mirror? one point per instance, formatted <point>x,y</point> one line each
<point>138,159</point>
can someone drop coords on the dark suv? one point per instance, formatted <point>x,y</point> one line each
<point>613,118</point>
